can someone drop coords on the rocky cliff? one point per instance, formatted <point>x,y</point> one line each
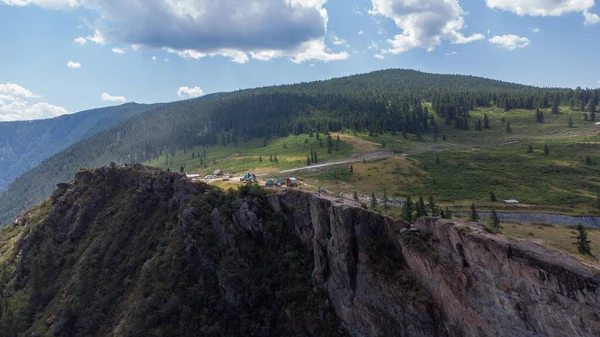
<point>138,252</point>
<point>463,280</point>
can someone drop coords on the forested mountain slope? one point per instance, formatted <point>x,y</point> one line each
<point>381,102</point>
<point>25,144</point>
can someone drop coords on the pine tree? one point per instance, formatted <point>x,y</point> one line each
<point>271,158</point>
<point>444,137</point>
<point>493,197</point>
<point>307,160</point>
<point>448,213</point>
<point>530,149</point>
<point>351,169</point>
<point>437,159</point>
<point>385,206</point>
<point>473,216</point>
<point>486,121</point>
<point>355,195</point>
<point>421,210</point>
<point>546,150</point>
<point>588,160</point>
<point>495,220</point>
<point>276,160</point>
<point>284,145</point>
<point>507,128</point>
<point>260,158</point>
<point>585,117</point>
<point>265,142</point>
<point>593,116</point>
<point>407,210</point>
<point>555,107</point>
<point>383,144</point>
<point>581,241</point>
<point>433,207</point>
<point>570,122</point>
<point>373,200</point>
<point>316,158</point>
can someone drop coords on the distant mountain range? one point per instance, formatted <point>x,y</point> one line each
<point>24,145</point>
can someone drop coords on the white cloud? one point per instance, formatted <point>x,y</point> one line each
<point>424,23</point>
<point>18,103</point>
<point>380,31</point>
<point>357,10</point>
<point>546,8</point>
<point>136,47</point>
<point>535,30</point>
<point>284,28</point>
<point>489,31</point>
<point>590,18</point>
<point>373,45</point>
<point>314,65</point>
<point>109,98</point>
<point>118,51</point>
<point>74,65</point>
<point>379,56</point>
<point>81,40</point>
<point>360,32</point>
<point>510,41</point>
<point>153,58</point>
<point>337,41</point>
<point>16,91</point>
<point>167,60</point>
<point>452,53</point>
<point>98,37</point>
<point>187,92</point>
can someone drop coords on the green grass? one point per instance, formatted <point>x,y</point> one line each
<point>245,156</point>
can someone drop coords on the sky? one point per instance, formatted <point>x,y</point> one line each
<point>65,56</point>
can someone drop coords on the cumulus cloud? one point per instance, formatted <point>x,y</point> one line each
<point>118,51</point>
<point>424,23</point>
<point>379,56</point>
<point>510,41</point>
<point>284,28</point>
<point>590,18</point>
<point>153,58</point>
<point>81,40</point>
<point>360,32</point>
<point>110,98</point>
<point>187,92</point>
<point>19,103</point>
<point>535,30</point>
<point>74,65</point>
<point>547,8</point>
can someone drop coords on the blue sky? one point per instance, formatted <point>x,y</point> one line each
<point>64,56</point>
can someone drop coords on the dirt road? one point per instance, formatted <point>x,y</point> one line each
<point>368,156</point>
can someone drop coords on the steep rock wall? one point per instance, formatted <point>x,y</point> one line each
<point>447,279</point>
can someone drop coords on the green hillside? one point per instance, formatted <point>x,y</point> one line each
<point>23,145</point>
<point>384,102</point>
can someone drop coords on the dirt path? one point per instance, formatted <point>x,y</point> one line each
<point>368,156</point>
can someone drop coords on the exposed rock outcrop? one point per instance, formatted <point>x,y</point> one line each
<point>463,281</point>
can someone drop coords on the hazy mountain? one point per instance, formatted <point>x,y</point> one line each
<point>25,144</point>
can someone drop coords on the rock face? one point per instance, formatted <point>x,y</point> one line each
<point>447,279</point>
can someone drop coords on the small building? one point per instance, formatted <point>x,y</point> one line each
<point>248,177</point>
<point>291,182</point>
<point>191,176</point>
<point>511,202</point>
<point>218,173</point>
<point>270,183</point>
<point>598,124</point>
<point>281,182</point>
